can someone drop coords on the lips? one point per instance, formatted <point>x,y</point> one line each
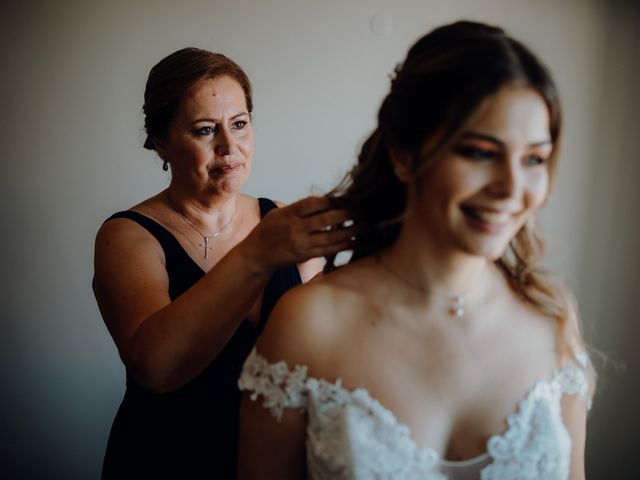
<point>489,218</point>
<point>228,168</point>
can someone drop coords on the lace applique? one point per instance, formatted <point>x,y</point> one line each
<point>574,380</point>
<point>350,435</point>
<point>279,387</point>
<point>382,447</point>
<point>536,443</point>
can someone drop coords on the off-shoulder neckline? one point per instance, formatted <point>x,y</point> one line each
<point>382,411</point>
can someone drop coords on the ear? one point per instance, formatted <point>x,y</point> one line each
<point>160,148</point>
<point>402,163</point>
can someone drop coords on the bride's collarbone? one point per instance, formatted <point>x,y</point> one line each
<point>453,401</point>
<point>451,385</point>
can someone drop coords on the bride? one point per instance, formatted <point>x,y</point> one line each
<point>441,350</point>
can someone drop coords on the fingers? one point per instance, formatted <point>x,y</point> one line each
<point>326,228</point>
<point>330,218</point>
<point>308,228</point>
<point>317,214</point>
<point>333,237</point>
<point>310,206</point>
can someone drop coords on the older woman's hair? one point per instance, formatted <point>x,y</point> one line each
<point>445,78</point>
<point>171,79</point>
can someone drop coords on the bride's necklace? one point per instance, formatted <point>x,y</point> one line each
<point>455,302</point>
<point>205,238</point>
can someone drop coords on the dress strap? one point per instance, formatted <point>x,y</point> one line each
<point>161,234</point>
<point>266,205</point>
<point>183,271</point>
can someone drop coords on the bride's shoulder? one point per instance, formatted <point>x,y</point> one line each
<point>311,323</point>
<point>333,295</point>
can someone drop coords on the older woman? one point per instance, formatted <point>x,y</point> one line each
<point>185,279</point>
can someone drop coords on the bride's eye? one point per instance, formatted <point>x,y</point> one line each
<point>533,160</point>
<point>475,153</point>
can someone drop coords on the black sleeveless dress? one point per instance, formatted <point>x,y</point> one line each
<point>191,432</point>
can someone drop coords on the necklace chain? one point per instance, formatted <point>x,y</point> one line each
<point>456,302</point>
<point>205,238</point>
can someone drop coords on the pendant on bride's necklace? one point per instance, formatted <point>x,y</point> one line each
<point>456,302</point>
<point>456,308</point>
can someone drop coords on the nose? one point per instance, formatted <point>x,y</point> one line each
<point>223,143</point>
<point>507,179</point>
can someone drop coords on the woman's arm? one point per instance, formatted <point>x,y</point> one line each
<point>165,344</point>
<point>302,330</point>
<point>269,448</point>
<point>574,413</point>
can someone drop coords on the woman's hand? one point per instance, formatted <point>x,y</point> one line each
<point>131,287</point>
<point>293,234</point>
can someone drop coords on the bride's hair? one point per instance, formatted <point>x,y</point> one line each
<point>446,76</point>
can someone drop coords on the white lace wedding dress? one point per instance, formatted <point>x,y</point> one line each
<point>350,435</point>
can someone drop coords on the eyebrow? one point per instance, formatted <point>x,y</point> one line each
<point>497,141</point>
<point>216,120</point>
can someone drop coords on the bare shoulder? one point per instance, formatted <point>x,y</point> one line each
<point>126,257</point>
<point>314,321</point>
<point>125,233</point>
<point>130,280</point>
<point>303,324</point>
<point>122,236</point>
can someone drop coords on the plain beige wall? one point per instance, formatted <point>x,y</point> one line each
<point>72,82</point>
<point>608,284</point>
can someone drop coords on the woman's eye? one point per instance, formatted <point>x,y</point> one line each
<point>532,160</point>
<point>475,153</point>
<point>240,124</point>
<point>204,131</point>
